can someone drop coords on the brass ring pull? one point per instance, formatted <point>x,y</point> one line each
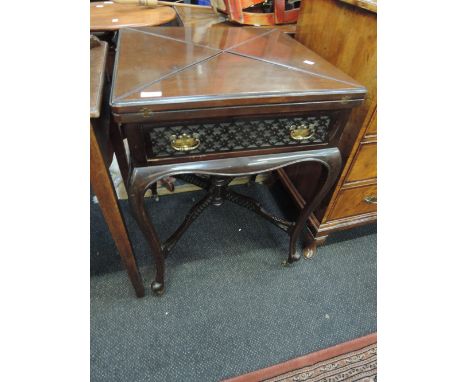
<point>185,142</point>
<point>301,133</point>
<point>370,199</point>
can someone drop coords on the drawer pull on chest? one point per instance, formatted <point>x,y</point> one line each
<point>185,142</point>
<point>301,133</point>
<point>370,199</point>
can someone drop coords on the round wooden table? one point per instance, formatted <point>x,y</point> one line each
<point>110,16</point>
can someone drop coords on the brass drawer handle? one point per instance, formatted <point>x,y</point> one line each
<point>370,199</point>
<point>301,133</point>
<point>185,142</point>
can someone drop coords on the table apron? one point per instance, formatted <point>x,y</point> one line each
<point>240,166</point>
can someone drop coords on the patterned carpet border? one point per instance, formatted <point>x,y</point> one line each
<point>355,360</point>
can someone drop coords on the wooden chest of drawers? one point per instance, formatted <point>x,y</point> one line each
<point>343,32</point>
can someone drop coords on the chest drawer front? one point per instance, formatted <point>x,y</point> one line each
<point>365,163</point>
<point>355,201</point>
<point>220,137</point>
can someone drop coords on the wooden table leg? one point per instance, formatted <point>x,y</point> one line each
<point>136,198</point>
<point>141,178</point>
<point>331,159</point>
<point>115,135</point>
<point>103,188</point>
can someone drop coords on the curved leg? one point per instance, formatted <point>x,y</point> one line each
<point>137,187</point>
<point>224,170</point>
<point>332,160</point>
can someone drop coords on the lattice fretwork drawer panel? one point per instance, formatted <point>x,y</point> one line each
<point>207,138</point>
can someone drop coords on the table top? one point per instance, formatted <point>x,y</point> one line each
<point>97,72</point>
<point>185,68</point>
<point>110,16</point>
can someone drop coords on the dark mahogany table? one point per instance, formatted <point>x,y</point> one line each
<point>207,105</point>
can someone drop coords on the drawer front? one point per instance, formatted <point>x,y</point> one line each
<point>355,201</point>
<point>365,163</point>
<point>237,135</point>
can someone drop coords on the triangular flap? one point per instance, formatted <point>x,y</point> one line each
<point>215,37</point>
<point>145,58</point>
<point>283,50</point>
<point>231,76</point>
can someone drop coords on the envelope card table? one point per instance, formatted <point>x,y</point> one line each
<point>209,104</point>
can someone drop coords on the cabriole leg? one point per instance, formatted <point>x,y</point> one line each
<point>137,187</point>
<point>332,161</point>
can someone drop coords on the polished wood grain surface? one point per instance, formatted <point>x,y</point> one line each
<point>355,201</point>
<point>364,165</point>
<point>176,68</point>
<point>110,16</point>
<point>211,38</point>
<point>345,34</point>
<point>372,126</point>
<point>97,73</point>
<point>370,5</point>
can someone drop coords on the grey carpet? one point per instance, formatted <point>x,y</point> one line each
<point>229,307</point>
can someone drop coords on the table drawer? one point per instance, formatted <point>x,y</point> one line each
<point>235,135</point>
<point>355,201</point>
<point>365,163</point>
